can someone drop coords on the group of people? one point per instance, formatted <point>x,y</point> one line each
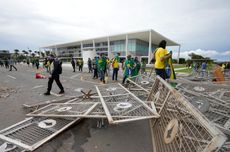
<point>79,63</point>
<point>8,64</point>
<point>101,65</point>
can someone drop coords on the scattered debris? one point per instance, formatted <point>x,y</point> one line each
<point>5,92</point>
<point>33,132</point>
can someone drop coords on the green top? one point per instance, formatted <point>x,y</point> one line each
<point>129,64</point>
<point>102,63</point>
<point>137,68</point>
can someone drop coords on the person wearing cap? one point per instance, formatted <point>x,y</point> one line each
<point>161,55</point>
<point>128,68</point>
<point>55,72</point>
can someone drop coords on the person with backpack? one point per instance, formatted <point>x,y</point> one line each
<point>56,70</point>
<point>161,55</point>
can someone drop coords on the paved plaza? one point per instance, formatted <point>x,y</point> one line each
<point>21,87</point>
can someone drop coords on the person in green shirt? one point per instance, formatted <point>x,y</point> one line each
<point>137,67</point>
<point>102,67</point>
<point>128,68</point>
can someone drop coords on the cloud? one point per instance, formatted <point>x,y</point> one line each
<point>213,54</point>
<point>192,23</point>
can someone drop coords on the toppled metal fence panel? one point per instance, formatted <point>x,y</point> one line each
<point>215,111</point>
<point>181,127</point>
<point>140,86</point>
<point>80,109</point>
<point>218,91</point>
<point>8,147</point>
<point>125,108</point>
<point>111,89</point>
<point>44,103</point>
<point>33,132</point>
<point>225,148</point>
<point>141,80</point>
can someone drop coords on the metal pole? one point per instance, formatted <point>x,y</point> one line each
<point>108,41</point>
<point>178,57</point>
<point>126,45</point>
<point>150,47</point>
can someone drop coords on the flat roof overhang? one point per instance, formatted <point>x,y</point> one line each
<point>142,35</point>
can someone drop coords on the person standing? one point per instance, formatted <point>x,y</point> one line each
<point>128,68</point>
<point>28,62</point>
<point>161,55</point>
<point>203,68</point>
<point>115,65</point>
<point>6,63</point>
<point>90,65</point>
<point>11,62</point>
<point>56,70</point>
<point>95,63</point>
<point>37,63</point>
<point>80,64</point>
<point>102,67</point>
<point>73,64</point>
<point>137,67</point>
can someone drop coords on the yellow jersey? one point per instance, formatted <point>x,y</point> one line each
<point>158,55</point>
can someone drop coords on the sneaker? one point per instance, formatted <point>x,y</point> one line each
<point>47,93</point>
<point>61,92</point>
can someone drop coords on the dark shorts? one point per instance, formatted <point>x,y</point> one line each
<point>161,73</point>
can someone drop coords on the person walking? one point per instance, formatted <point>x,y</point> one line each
<point>90,65</point>
<point>56,70</point>
<point>161,55</point>
<point>73,64</point>
<point>102,67</point>
<point>128,68</point>
<point>115,65</point>
<point>11,63</point>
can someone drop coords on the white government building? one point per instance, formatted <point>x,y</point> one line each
<point>141,44</point>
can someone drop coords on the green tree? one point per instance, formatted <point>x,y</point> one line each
<point>195,56</point>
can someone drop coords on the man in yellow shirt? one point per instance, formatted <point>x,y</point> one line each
<point>161,55</point>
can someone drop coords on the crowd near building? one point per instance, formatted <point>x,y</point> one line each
<point>137,44</point>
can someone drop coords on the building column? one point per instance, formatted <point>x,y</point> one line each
<point>81,49</point>
<point>150,47</point>
<point>109,53</point>
<point>56,52</point>
<point>126,45</point>
<point>178,56</point>
<point>94,49</point>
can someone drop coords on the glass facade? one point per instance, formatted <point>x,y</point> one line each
<point>135,47</point>
<point>118,47</point>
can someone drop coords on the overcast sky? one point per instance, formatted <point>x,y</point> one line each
<point>200,26</point>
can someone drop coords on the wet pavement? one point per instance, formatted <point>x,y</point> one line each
<point>82,137</point>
